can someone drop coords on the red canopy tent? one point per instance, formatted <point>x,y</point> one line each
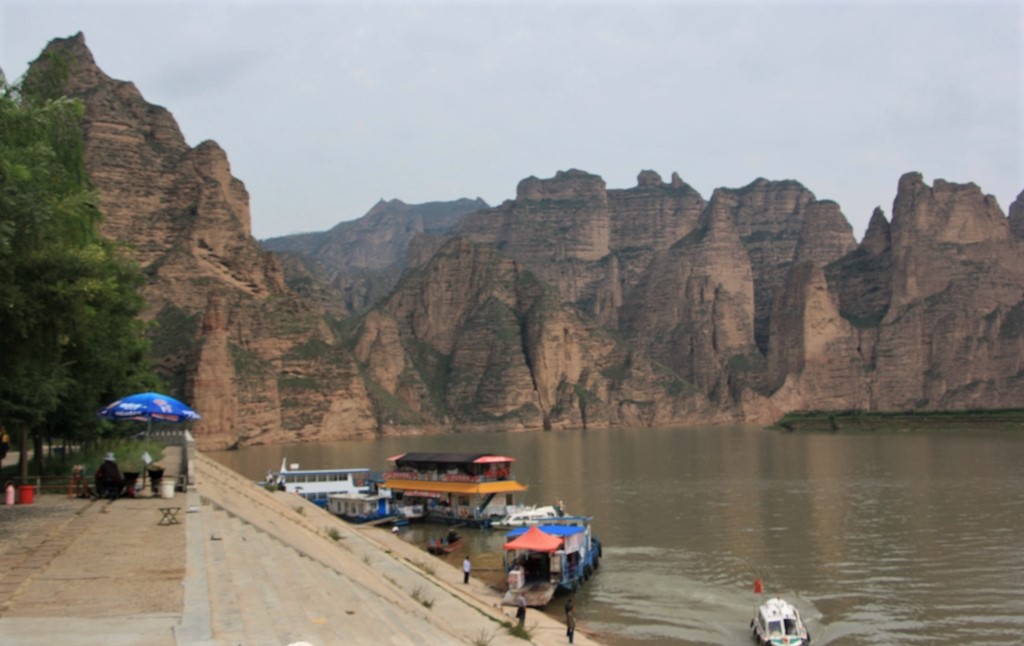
<point>535,540</point>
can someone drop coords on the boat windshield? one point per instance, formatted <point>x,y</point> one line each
<point>774,626</point>
<point>790,626</point>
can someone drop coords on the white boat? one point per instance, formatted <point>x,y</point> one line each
<point>317,485</point>
<point>360,507</point>
<point>777,623</point>
<point>529,516</point>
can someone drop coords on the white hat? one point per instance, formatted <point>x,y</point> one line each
<point>109,457</point>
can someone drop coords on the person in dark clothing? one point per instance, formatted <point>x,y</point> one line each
<point>521,609</point>
<point>570,619</point>
<point>109,482</point>
<point>5,444</point>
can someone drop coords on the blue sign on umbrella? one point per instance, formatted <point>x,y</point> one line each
<point>148,406</point>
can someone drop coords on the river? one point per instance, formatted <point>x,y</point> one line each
<point>878,538</point>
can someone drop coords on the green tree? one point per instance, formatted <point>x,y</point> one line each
<point>69,334</point>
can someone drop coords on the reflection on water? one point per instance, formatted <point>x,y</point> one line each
<point>877,538</point>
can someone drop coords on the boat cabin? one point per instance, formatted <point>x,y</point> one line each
<point>778,622</point>
<point>470,488</point>
<point>360,507</point>
<point>316,485</point>
<point>542,559</point>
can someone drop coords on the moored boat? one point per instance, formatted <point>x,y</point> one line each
<point>451,542</point>
<point>527,516</point>
<point>464,488</point>
<point>777,623</point>
<point>360,507</point>
<point>561,554</point>
<point>317,485</point>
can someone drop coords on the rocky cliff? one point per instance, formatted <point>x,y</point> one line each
<point>229,337</point>
<point>362,259</point>
<point>571,306</point>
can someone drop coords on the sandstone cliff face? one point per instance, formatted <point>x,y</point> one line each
<point>226,327</point>
<point>1016,216</point>
<point>928,312</point>
<point>474,341</point>
<point>363,259</point>
<point>957,285</point>
<point>572,306</point>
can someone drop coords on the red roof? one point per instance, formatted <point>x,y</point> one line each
<point>536,540</point>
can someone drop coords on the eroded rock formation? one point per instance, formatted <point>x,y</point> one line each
<point>571,306</point>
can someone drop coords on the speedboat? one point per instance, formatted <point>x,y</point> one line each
<point>529,516</point>
<point>778,623</point>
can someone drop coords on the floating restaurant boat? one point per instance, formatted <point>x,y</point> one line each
<point>317,485</point>
<point>778,623</point>
<point>542,559</point>
<point>469,488</point>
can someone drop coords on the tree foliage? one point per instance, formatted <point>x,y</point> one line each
<point>69,333</point>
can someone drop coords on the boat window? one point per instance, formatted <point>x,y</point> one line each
<point>774,626</point>
<point>790,626</point>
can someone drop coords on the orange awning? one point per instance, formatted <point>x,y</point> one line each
<point>535,540</point>
<point>466,488</point>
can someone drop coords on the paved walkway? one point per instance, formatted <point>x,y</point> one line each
<point>245,566</point>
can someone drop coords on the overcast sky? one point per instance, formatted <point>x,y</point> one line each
<point>326,107</point>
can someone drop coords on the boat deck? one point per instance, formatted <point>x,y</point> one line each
<point>537,594</point>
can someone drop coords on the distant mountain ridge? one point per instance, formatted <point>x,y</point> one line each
<point>571,306</point>
<point>363,259</point>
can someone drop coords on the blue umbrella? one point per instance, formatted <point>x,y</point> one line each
<point>148,406</point>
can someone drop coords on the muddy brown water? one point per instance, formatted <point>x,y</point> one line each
<point>878,538</point>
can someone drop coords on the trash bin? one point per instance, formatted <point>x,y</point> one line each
<point>155,476</point>
<point>167,488</point>
<point>26,494</point>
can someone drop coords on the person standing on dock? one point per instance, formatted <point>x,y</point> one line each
<point>521,609</point>
<point>570,619</point>
<point>465,570</point>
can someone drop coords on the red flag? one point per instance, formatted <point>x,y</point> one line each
<point>758,588</point>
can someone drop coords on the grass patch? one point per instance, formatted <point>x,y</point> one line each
<point>418,595</point>
<point>333,534</point>
<point>429,569</point>
<point>901,421</point>
<point>519,630</point>
<point>483,639</point>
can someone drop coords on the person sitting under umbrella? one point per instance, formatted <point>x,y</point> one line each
<point>109,482</point>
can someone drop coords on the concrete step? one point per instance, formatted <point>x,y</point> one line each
<point>319,595</point>
<point>346,612</point>
<point>226,620</point>
<point>252,573</point>
<point>302,605</point>
<point>257,599</point>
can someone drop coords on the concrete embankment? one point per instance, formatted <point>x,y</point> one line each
<point>245,566</point>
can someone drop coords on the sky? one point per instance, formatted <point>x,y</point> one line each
<point>326,107</point>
